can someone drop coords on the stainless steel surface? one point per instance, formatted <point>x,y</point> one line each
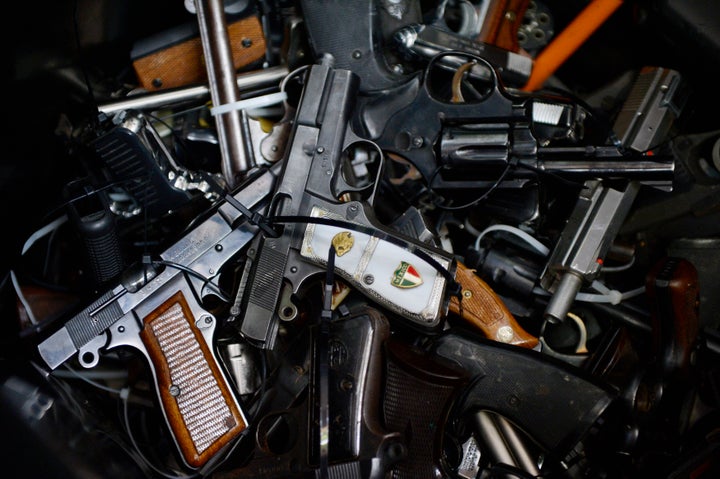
<point>515,444</point>
<point>242,367</point>
<point>223,88</point>
<point>491,437</point>
<point>654,102</point>
<point>146,101</point>
<point>579,253</point>
<point>503,442</point>
<point>563,298</point>
<point>204,249</point>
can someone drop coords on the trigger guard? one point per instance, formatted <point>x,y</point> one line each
<point>341,187</point>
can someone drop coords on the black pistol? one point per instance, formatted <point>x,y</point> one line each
<point>325,195</point>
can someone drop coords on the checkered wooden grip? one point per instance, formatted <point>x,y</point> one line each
<point>484,309</point>
<point>183,63</point>
<point>199,406</point>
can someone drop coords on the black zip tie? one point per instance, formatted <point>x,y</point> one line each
<point>454,287</point>
<point>323,365</point>
<point>254,218</point>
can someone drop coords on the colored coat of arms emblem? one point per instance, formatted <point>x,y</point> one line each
<point>406,276</point>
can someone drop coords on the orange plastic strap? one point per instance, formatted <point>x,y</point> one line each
<point>569,40</point>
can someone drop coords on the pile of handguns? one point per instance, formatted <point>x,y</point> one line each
<point>387,251</point>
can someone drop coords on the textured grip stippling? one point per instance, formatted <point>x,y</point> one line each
<point>199,406</point>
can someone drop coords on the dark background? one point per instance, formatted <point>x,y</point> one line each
<point>57,44</point>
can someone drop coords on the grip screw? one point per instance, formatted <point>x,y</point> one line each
<point>467,294</point>
<point>346,384</point>
<point>368,279</point>
<point>505,334</point>
<point>174,390</point>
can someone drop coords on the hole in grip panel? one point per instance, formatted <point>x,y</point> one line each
<point>419,393</point>
<point>199,407</point>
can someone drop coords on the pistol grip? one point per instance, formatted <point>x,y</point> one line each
<point>196,399</point>
<point>502,23</point>
<point>482,308</point>
<point>420,392</point>
<point>182,64</point>
<point>672,287</point>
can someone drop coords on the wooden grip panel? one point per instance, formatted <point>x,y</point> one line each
<point>183,64</point>
<point>502,22</point>
<point>200,408</point>
<point>484,309</point>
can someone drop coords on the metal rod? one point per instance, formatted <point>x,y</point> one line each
<point>493,439</point>
<point>223,88</point>
<point>503,442</point>
<point>636,168</point>
<point>146,101</point>
<point>515,443</point>
<point>563,297</point>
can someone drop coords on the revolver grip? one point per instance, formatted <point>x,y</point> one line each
<point>196,399</point>
<point>484,309</point>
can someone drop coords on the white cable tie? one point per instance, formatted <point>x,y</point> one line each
<point>260,101</point>
<point>633,292</point>
<point>21,297</point>
<point>622,267</point>
<point>594,298</point>
<point>534,243</point>
<point>606,294</point>
<point>600,287</point>
<point>48,228</point>
<point>470,228</point>
<point>615,297</point>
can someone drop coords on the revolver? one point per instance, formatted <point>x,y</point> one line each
<point>496,137</point>
<point>161,314</point>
